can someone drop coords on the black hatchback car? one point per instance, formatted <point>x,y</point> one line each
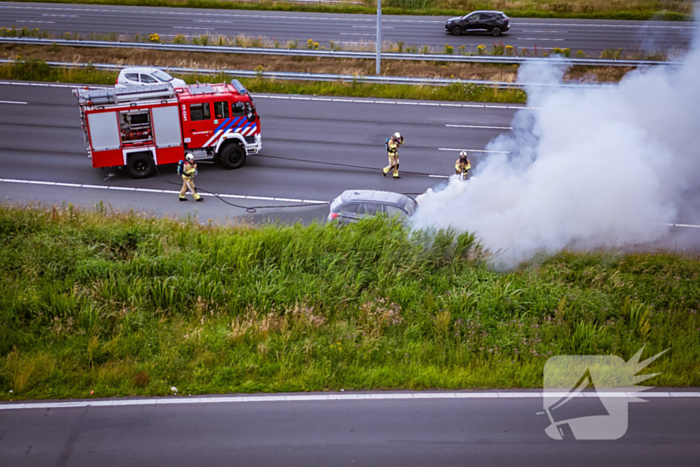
<point>495,22</point>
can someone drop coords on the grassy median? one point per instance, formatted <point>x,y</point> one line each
<point>267,63</point>
<point>38,70</point>
<point>104,304</point>
<point>601,9</point>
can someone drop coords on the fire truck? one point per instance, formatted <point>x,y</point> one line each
<point>143,126</point>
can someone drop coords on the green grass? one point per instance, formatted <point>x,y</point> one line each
<point>594,9</point>
<point>37,70</point>
<point>123,304</point>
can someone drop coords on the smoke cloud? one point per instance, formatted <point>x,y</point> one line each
<point>588,167</point>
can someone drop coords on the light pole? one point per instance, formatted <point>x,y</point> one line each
<point>379,37</point>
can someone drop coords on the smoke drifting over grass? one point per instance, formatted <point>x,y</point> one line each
<point>602,166</point>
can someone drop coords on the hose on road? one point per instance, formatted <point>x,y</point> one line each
<point>248,209</point>
<point>337,164</point>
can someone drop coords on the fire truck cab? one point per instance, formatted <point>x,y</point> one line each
<point>140,127</point>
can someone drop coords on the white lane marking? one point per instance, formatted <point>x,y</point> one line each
<point>355,34</point>
<point>32,21</point>
<point>330,397</point>
<point>537,39</point>
<point>13,102</point>
<point>481,127</point>
<point>545,31</point>
<point>62,16</point>
<point>473,150</point>
<point>691,226</point>
<point>150,190</point>
<point>190,27</point>
<point>438,176</point>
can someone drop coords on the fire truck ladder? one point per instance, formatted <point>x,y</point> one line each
<point>101,96</point>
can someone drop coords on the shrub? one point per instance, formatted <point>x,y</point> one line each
<point>481,49</point>
<point>449,49</point>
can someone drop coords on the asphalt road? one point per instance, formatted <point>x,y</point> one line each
<point>590,36</point>
<point>41,140</point>
<point>455,431</point>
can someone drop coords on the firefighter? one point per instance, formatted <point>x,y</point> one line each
<point>189,170</point>
<point>462,165</point>
<point>392,148</point>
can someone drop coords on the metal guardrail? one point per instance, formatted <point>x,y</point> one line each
<point>407,80</point>
<point>331,53</point>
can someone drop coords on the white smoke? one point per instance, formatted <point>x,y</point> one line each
<point>589,167</point>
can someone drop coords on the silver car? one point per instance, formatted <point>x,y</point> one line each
<point>146,76</point>
<point>353,205</point>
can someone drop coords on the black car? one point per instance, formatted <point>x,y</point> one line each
<point>495,22</point>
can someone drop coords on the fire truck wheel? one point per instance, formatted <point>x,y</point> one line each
<point>140,165</point>
<point>232,156</point>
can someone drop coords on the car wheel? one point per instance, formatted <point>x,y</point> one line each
<point>456,31</point>
<point>232,156</point>
<point>495,31</point>
<point>140,165</point>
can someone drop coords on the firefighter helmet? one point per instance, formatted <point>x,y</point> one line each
<point>189,157</point>
<point>463,154</point>
<point>398,136</point>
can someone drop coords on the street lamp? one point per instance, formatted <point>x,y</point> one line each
<point>379,37</point>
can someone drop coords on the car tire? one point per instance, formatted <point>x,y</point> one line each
<point>232,156</point>
<point>495,31</point>
<point>456,31</point>
<point>140,165</point>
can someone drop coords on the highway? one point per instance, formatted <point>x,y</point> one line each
<point>382,429</point>
<point>41,140</point>
<point>590,36</point>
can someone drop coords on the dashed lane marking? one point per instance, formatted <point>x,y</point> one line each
<point>13,102</point>
<point>152,190</point>
<point>332,397</point>
<point>480,127</point>
<point>473,150</point>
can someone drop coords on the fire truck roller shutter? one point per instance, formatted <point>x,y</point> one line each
<point>166,127</point>
<point>104,131</point>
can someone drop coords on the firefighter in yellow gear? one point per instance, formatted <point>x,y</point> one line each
<point>463,165</point>
<point>189,170</point>
<point>393,144</point>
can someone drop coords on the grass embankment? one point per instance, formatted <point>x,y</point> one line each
<point>32,70</point>
<point>125,304</point>
<point>600,9</point>
<point>134,57</point>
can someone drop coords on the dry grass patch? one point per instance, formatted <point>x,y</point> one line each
<point>126,57</point>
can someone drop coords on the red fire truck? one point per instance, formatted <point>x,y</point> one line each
<point>144,126</point>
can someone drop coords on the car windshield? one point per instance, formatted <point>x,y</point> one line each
<point>161,76</point>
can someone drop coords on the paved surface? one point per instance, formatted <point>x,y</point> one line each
<point>41,140</point>
<point>498,431</point>
<point>589,35</point>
